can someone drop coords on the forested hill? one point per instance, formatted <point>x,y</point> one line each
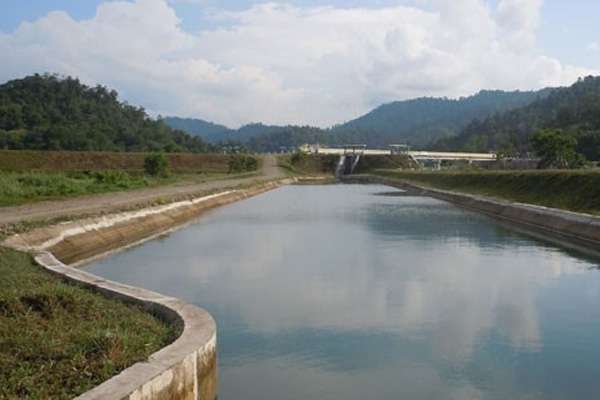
<point>216,133</point>
<point>418,122</point>
<point>198,127</point>
<point>421,121</point>
<point>575,110</point>
<point>48,112</point>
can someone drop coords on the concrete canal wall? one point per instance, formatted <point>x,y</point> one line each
<point>187,368</point>
<point>581,228</point>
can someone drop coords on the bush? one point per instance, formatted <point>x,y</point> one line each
<point>156,165</point>
<point>242,163</point>
<point>298,157</point>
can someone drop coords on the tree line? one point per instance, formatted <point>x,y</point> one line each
<point>49,112</point>
<point>570,115</point>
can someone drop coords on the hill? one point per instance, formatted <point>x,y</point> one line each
<point>47,112</point>
<point>421,121</point>
<point>417,122</point>
<point>575,110</point>
<point>208,131</point>
<point>215,133</point>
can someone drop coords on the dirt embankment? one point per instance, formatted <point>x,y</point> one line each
<point>64,161</point>
<point>112,202</point>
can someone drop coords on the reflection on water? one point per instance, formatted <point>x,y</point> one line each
<point>333,292</point>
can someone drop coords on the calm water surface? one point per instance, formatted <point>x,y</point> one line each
<point>339,292</point>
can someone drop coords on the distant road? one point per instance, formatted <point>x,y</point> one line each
<point>107,202</point>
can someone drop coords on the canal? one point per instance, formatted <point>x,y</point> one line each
<point>356,292</point>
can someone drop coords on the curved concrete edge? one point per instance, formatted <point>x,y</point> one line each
<point>185,369</point>
<point>579,227</point>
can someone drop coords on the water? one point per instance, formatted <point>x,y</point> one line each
<point>344,292</point>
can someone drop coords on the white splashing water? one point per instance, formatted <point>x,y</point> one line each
<point>339,171</point>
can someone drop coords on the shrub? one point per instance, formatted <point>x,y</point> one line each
<point>156,165</point>
<point>111,177</point>
<point>242,163</point>
<point>298,157</point>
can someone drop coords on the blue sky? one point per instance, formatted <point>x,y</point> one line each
<point>295,61</point>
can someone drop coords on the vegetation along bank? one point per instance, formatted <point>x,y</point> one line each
<point>59,340</point>
<point>27,176</point>
<point>573,190</point>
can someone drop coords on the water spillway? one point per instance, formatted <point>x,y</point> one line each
<point>346,292</point>
<point>347,164</point>
<point>341,166</point>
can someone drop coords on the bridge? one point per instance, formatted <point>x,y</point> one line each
<point>417,156</point>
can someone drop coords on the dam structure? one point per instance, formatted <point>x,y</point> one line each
<point>349,159</point>
<point>423,158</point>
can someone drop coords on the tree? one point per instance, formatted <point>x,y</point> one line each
<point>556,149</point>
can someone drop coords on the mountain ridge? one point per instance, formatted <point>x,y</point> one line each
<point>417,122</point>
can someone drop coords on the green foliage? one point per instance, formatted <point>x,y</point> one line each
<point>567,189</point>
<point>197,127</point>
<point>556,149</point>
<point>588,144</point>
<point>575,110</point>
<point>242,163</point>
<point>287,138</point>
<point>46,112</point>
<point>156,165</point>
<point>22,187</point>
<point>371,163</point>
<point>310,164</point>
<point>59,340</point>
<point>415,121</point>
<point>420,121</point>
<point>298,157</point>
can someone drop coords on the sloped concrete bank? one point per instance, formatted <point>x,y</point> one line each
<point>581,229</point>
<point>187,368</point>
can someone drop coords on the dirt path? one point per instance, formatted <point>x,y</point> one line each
<point>94,204</point>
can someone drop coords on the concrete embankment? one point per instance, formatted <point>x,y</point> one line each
<point>580,228</point>
<point>187,368</point>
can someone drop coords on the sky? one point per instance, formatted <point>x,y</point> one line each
<point>315,62</point>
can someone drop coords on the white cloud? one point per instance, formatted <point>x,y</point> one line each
<point>284,64</point>
<point>593,46</point>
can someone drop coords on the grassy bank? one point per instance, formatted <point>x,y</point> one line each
<point>72,161</point>
<point>570,190</point>
<point>49,181</point>
<point>23,187</point>
<point>59,340</point>
<point>304,164</point>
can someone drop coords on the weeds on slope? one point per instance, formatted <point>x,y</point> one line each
<point>577,190</point>
<point>58,340</point>
<point>22,187</point>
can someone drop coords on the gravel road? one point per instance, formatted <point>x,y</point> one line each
<point>107,202</point>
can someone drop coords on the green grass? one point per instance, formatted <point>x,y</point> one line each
<point>23,187</point>
<point>577,190</point>
<point>26,187</point>
<point>300,164</point>
<point>58,340</point>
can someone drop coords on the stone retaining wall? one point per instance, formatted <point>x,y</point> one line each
<point>187,368</point>
<point>570,225</point>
